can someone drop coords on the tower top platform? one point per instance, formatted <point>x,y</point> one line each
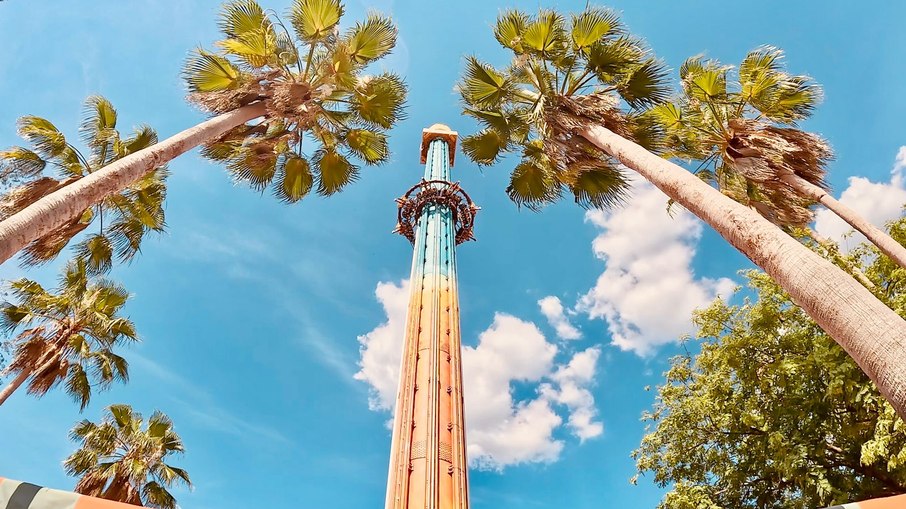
<point>439,132</point>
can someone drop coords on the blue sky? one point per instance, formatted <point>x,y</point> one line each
<point>263,334</point>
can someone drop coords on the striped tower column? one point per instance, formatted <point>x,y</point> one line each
<point>23,495</point>
<point>428,467</point>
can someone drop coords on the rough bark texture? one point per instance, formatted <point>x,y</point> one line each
<point>12,386</point>
<point>870,332</point>
<point>55,209</point>
<point>875,235</point>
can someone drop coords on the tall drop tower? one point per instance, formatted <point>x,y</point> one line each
<point>428,467</point>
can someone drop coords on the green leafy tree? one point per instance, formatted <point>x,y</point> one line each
<point>67,336</point>
<point>122,218</point>
<point>273,88</point>
<point>741,129</point>
<point>771,413</point>
<point>124,459</point>
<point>575,102</point>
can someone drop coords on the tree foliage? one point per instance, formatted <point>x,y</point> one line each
<point>739,124</point>
<point>563,74</point>
<point>68,336</point>
<point>122,219</point>
<point>324,111</point>
<point>771,413</point>
<point>124,459</point>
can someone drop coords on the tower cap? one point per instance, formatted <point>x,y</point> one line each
<point>439,132</point>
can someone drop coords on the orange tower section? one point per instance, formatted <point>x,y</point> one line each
<point>428,467</point>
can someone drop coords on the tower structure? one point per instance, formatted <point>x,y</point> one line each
<point>428,467</point>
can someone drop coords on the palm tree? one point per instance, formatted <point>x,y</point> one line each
<point>67,336</point>
<point>122,459</point>
<point>122,217</point>
<point>310,85</point>
<point>572,102</point>
<point>743,134</point>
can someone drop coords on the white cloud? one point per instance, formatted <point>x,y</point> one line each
<point>876,202</point>
<point>648,291</point>
<point>552,309</point>
<point>503,428</point>
<point>381,349</point>
<point>573,380</point>
<point>501,431</point>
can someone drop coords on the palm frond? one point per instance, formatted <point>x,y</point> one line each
<point>207,72</point>
<point>546,34</point>
<point>484,147</point>
<point>18,164</point>
<point>509,29</point>
<point>600,186</point>
<point>379,100</point>
<point>483,86</point>
<point>239,18</point>
<point>333,171</point>
<point>592,24</point>
<point>98,128</point>
<point>646,85</point>
<point>372,39</point>
<point>368,145</point>
<point>48,141</point>
<point>294,180</point>
<point>315,20</point>
<point>704,79</point>
<point>97,251</point>
<point>533,185</point>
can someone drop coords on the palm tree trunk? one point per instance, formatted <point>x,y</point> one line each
<point>831,247</point>
<point>870,332</point>
<point>43,363</point>
<point>885,243</point>
<point>12,386</point>
<point>55,209</point>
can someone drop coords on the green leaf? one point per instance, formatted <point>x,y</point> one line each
<point>704,79</point>
<point>207,72</point>
<point>379,100</point>
<point>143,137</point>
<point>315,20</point>
<point>484,147</point>
<point>97,252</point>
<point>256,49</point>
<point>646,85</point>
<point>533,185</point>
<point>48,141</point>
<point>546,34</point>
<point>601,188</point>
<point>18,163</point>
<point>592,24</point>
<point>372,39</point>
<point>78,386</point>
<point>482,85</point>
<point>295,180</point>
<point>255,165</point>
<point>611,59</point>
<point>98,128</point>
<point>368,145</point>
<point>242,17</point>
<point>509,29</point>
<point>334,172</point>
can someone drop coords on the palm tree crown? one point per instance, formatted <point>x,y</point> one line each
<point>312,81</point>
<point>740,127</point>
<point>123,459</point>
<point>588,65</point>
<point>123,218</point>
<point>68,336</point>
